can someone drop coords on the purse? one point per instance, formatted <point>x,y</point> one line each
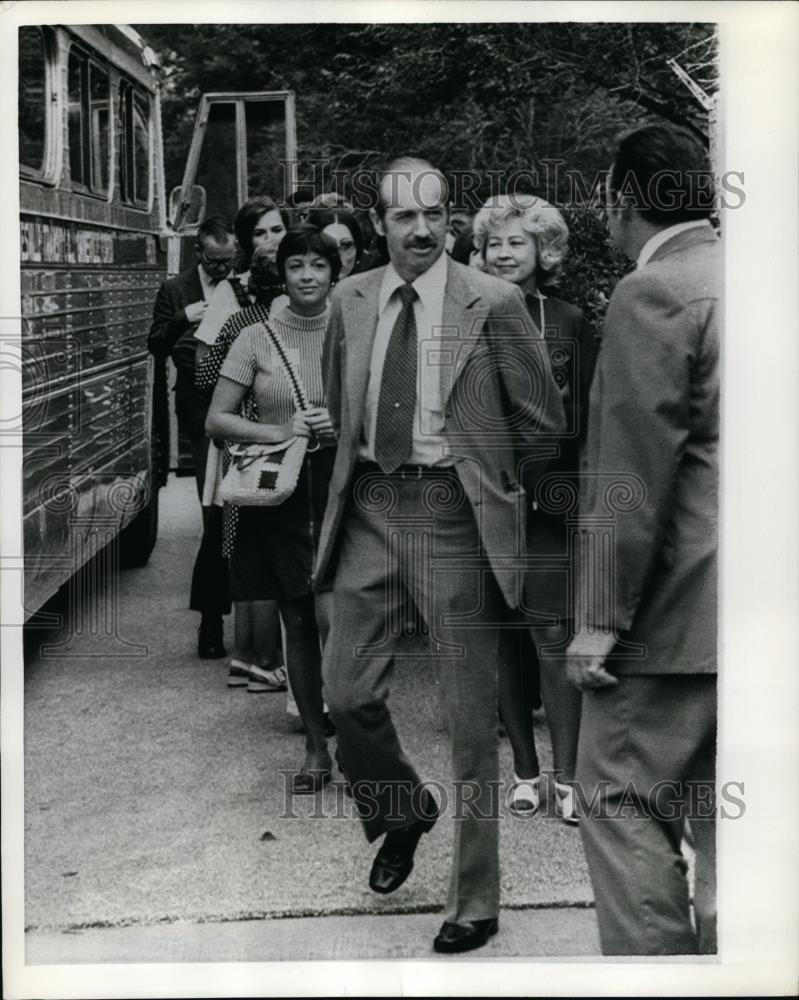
<point>265,475</point>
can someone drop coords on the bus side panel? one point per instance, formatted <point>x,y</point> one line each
<point>87,297</point>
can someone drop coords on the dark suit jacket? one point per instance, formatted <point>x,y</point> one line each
<point>653,426</point>
<point>493,364</point>
<point>572,354</point>
<point>171,335</point>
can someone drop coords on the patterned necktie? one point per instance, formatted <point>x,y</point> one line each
<point>397,403</point>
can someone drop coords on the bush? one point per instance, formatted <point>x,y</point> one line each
<point>592,267</point>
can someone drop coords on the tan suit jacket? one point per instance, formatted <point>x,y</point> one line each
<point>503,413</point>
<point>653,426</point>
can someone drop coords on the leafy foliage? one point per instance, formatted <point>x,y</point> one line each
<point>592,267</point>
<point>494,99</point>
<point>479,97</point>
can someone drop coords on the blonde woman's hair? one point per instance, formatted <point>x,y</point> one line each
<point>542,222</point>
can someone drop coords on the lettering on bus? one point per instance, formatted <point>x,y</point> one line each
<point>49,242</point>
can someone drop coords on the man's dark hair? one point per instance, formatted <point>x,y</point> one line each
<point>664,172</point>
<point>463,246</point>
<point>215,228</point>
<point>307,239</point>
<point>247,217</point>
<point>303,195</point>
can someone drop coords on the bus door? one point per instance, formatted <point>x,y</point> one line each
<point>244,144</point>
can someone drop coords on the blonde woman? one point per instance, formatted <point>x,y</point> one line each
<point>524,239</point>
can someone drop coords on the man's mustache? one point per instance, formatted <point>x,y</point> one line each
<point>421,243</point>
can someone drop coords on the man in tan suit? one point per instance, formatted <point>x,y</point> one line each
<point>646,655</point>
<point>444,403</point>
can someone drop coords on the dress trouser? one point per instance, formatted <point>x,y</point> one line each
<point>646,763</point>
<point>210,586</point>
<point>418,539</point>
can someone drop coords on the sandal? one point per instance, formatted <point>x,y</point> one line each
<point>238,673</point>
<point>565,807</point>
<point>525,797</point>
<point>266,679</point>
<point>309,782</point>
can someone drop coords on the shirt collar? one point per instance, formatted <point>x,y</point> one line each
<point>207,283</point>
<point>429,286</point>
<point>652,244</point>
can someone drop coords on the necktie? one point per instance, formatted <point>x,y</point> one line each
<point>397,402</point>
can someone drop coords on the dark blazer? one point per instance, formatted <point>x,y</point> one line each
<point>482,316</point>
<point>653,429</point>
<point>172,335</point>
<point>572,353</point>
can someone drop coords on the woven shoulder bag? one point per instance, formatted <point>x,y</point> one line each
<point>265,475</point>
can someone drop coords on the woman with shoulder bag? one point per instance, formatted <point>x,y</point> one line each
<point>275,546</point>
<point>259,226</point>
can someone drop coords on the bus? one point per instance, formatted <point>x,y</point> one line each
<point>92,215</point>
<point>96,241</point>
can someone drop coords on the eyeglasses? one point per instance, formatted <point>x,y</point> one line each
<point>346,244</point>
<point>216,263</point>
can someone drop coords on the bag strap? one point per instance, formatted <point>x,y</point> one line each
<point>297,388</point>
<point>240,292</point>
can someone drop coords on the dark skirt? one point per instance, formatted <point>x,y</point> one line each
<point>275,548</point>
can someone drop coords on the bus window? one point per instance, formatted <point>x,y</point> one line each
<point>75,91</point>
<point>134,148</point>
<point>100,145</point>
<point>141,149</point>
<point>32,99</point>
<point>89,135</point>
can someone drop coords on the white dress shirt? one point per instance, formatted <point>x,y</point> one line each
<point>664,236</point>
<point>208,283</point>
<point>429,445</point>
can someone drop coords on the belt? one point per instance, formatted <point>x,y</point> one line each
<point>405,471</point>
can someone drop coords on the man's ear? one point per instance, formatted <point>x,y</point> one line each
<point>377,222</point>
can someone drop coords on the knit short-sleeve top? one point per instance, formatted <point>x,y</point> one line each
<point>252,361</point>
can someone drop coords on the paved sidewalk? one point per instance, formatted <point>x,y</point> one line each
<point>532,933</point>
<point>165,833</point>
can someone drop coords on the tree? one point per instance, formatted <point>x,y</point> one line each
<point>478,97</point>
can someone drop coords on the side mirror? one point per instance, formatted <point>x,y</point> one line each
<point>189,211</point>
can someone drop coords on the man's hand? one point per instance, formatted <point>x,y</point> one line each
<point>195,311</point>
<point>586,654</point>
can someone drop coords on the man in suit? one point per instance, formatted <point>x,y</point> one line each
<point>645,654</point>
<point>442,397</point>
<point>179,306</point>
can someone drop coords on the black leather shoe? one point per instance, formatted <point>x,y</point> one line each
<point>209,641</point>
<point>394,861</point>
<point>471,934</point>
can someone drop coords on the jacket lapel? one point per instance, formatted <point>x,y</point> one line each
<point>360,326</point>
<point>462,320</point>
<point>192,287</point>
